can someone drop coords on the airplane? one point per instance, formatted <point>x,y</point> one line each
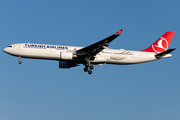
<point>94,54</point>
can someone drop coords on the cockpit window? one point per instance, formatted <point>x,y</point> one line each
<point>10,46</point>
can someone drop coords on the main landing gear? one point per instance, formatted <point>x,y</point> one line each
<point>19,60</point>
<point>88,68</point>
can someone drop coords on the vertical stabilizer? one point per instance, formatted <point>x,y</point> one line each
<point>161,44</point>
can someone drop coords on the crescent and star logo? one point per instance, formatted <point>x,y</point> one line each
<point>160,45</point>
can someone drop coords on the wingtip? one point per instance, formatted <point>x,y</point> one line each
<point>119,32</point>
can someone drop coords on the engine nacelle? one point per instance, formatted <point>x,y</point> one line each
<point>63,64</point>
<point>66,55</point>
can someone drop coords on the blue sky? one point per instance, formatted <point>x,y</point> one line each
<point>39,90</point>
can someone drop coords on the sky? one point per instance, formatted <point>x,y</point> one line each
<point>40,90</point>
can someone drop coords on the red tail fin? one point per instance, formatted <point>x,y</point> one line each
<point>161,44</point>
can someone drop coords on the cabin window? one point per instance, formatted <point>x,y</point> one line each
<point>10,46</point>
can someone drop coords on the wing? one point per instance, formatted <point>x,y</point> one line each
<point>95,48</point>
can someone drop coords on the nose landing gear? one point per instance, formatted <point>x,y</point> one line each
<point>19,60</point>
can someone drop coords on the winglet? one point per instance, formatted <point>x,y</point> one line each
<point>119,32</point>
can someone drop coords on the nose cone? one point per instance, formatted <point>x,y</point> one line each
<point>5,50</point>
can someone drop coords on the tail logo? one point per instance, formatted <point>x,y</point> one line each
<point>160,45</point>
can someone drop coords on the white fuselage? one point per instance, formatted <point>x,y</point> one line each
<point>52,52</point>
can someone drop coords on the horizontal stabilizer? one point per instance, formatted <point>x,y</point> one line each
<point>160,55</point>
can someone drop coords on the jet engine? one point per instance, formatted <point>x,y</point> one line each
<point>66,55</point>
<point>63,64</point>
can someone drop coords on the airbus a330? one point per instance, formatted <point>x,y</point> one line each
<point>95,54</point>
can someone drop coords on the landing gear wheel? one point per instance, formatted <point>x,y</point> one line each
<point>87,64</point>
<point>19,62</point>
<point>91,67</point>
<point>88,67</point>
<point>85,69</point>
<point>90,72</point>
